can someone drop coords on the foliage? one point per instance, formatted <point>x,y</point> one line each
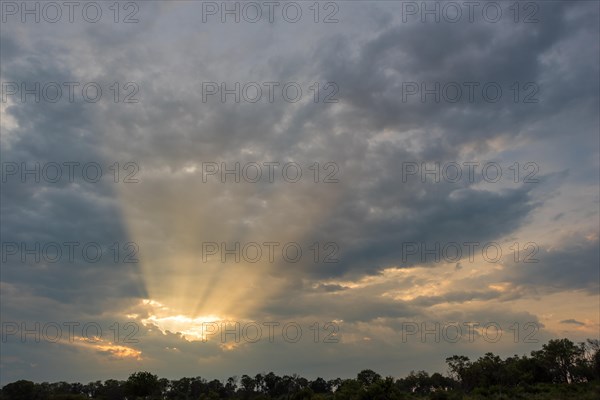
<point>560,370</point>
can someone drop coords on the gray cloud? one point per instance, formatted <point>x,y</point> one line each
<point>572,322</point>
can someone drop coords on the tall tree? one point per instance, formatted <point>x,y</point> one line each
<point>143,384</point>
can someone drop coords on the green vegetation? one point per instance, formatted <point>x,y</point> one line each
<point>560,370</point>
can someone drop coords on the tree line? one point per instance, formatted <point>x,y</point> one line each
<point>560,370</point>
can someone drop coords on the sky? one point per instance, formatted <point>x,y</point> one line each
<point>224,188</point>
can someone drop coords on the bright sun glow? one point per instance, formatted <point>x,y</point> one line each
<point>191,328</point>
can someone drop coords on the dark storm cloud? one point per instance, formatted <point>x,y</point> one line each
<point>571,266</point>
<point>476,52</point>
<point>437,217</point>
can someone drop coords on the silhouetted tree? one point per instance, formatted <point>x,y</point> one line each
<point>320,385</point>
<point>142,385</point>
<point>459,369</point>
<point>593,355</point>
<point>559,357</point>
<point>561,369</point>
<point>349,389</point>
<point>19,390</point>
<point>368,377</point>
<point>112,390</point>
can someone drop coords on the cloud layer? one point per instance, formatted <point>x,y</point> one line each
<point>362,210</point>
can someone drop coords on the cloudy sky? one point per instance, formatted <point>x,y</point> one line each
<point>371,184</point>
